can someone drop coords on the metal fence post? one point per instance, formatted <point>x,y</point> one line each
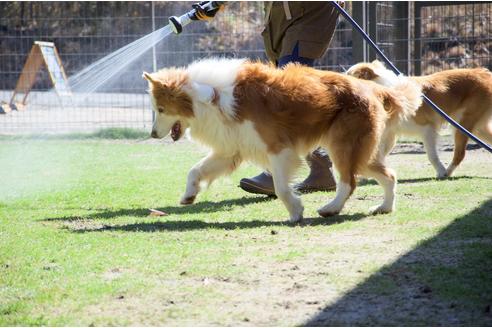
<point>359,52</point>
<point>402,55</point>
<point>372,27</point>
<point>154,58</point>
<point>418,39</point>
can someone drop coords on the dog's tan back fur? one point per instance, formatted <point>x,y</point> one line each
<point>469,90</point>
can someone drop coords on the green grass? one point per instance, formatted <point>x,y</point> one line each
<point>77,246</point>
<point>107,133</point>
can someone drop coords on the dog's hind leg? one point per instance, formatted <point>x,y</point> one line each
<point>348,150</point>
<point>429,137</point>
<point>344,158</point>
<point>208,169</point>
<point>485,132</point>
<point>387,179</point>
<point>388,145</point>
<point>345,187</point>
<point>460,141</point>
<point>282,167</point>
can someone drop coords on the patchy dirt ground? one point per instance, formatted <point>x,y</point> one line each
<point>286,292</point>
<point>339,286</point>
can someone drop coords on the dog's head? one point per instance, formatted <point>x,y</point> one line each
<point>172,105</point>
<point>174,96</point>
<point>374,71</point>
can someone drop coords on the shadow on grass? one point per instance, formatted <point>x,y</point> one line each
<point>210,207</point>
<point>370,182</point>
<point>444,281</point>
<point>187,225</point>
<point>412,148</point>
<point>199,207</point>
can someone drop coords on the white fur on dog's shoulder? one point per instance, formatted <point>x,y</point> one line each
<point>219,74</point>
<point>388,78</point>
<point>216,72</point>
<point>204,93</point>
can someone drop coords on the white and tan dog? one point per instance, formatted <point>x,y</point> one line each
<point>464,94</point>
<point>247,111</point>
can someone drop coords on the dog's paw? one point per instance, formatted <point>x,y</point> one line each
<point>442,174</point>
<point>328,210</point>
<point>450,170</point>
<point>295,218</point>
<point>187,200</point>
<point>380,209</point>
<point>296,212</point>
<point>326,214</point>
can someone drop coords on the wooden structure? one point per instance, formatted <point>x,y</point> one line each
<point>42,53</point>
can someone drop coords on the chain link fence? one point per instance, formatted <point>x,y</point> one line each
<point>424,37</point>
<point>420,37</point>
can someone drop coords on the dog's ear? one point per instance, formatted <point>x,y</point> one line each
<point>149,78</point>
<point>367,73</point>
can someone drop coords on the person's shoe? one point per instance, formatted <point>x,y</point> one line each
<point>321,176</point>
<point>260,184</point>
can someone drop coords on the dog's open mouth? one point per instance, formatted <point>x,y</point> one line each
<point>176,131</point>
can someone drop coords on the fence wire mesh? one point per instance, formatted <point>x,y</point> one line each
<point>420,37</point>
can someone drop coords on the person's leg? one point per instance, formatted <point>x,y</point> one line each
<point>260,184</point>
<point>320,176</point>
<point>294,58</point>
<point>325,18</point>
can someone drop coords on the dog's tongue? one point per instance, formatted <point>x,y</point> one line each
<point>176,131</point>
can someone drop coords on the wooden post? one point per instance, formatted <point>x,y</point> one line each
<point>28,74</point>
<point>41,53</point>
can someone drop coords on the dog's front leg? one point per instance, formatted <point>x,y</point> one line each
<point>283,166</point>
<point>208,169</point>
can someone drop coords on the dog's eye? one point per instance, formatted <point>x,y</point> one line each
<point>160,109</point>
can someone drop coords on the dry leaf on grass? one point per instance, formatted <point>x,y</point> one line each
<point>154,212</point>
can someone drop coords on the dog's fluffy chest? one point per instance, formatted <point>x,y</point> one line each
<point>230,139</point>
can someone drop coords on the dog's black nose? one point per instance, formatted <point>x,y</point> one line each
<point>153,134</point>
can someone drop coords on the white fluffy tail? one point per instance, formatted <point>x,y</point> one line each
<point>403,98</point>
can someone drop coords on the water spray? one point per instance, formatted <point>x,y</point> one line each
<point>100,72</point>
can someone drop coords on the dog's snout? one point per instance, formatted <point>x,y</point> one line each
<point>153,134</point>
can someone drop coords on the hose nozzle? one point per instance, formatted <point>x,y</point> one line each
<point>201,11</point>
<point>175,24</point>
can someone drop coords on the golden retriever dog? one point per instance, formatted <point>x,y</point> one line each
<point>249,111</point>
<point>464,94</point>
